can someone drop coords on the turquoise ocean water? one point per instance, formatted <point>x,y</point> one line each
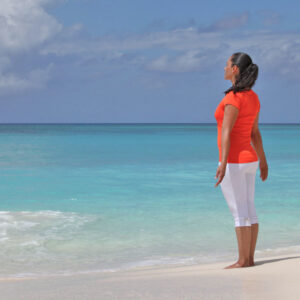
<point>89,198</point>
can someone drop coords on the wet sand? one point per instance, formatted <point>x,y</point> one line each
<point>272,278</point>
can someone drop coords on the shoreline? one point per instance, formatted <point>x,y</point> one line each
<point>262,254</point>
<point>272,278</point>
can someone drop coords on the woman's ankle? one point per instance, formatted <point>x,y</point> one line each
<point>244,262</point>
<point>251,261</point>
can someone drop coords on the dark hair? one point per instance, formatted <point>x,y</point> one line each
<point>247,75</point>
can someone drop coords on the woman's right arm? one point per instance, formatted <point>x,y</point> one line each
<point>258,145</point>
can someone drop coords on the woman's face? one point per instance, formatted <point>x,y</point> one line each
<point>230,72</point>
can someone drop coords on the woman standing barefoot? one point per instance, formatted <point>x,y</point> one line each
<point>237,119</point>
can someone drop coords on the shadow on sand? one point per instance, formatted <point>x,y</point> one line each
<point>262,262</point>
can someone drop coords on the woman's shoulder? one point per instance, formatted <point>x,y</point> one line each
<point>254,93</point>
<point>249,98</point>
<point>246,93</point>
<point>231,98</point>
<point>240,95</point>
<point>231,94</point>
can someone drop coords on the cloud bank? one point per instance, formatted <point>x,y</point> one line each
<point>24,26</point>
<point>28,29</point>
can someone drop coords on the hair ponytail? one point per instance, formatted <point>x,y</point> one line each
<point>248,72</point>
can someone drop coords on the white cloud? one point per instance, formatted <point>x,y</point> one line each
<point>35,79</point>
<point>25,24</point>
<point>184,50</point>
<point>179,39</point>
<point>188,61</point>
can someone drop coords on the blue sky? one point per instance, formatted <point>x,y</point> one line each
<point>106,61</point>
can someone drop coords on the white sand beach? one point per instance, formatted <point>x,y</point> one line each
<point>272,278</point>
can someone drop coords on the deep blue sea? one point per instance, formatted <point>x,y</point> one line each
<point>108,197</point>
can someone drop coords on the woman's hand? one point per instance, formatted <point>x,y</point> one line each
<point>263,166</point>
<point>220,173</point>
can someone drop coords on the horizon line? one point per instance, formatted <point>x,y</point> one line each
<point>138,123</point>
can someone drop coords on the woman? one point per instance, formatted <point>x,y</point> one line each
<point>237,118</point>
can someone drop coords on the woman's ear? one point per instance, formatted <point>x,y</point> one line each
<point>235,69</point>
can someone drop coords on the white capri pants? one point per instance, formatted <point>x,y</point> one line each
<point>238,187</point>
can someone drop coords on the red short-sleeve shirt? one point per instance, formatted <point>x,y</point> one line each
<point>241,150</point>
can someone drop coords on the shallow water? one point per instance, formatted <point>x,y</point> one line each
<point>81,198</point>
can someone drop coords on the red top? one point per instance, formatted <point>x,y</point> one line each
<point>241,150</point>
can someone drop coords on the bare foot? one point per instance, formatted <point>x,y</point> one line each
<point>238,265</point>
<point>251,262</point>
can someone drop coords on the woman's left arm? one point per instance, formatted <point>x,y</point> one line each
<point>230,115</point>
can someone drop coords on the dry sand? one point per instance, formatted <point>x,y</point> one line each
<point>272,278</point>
